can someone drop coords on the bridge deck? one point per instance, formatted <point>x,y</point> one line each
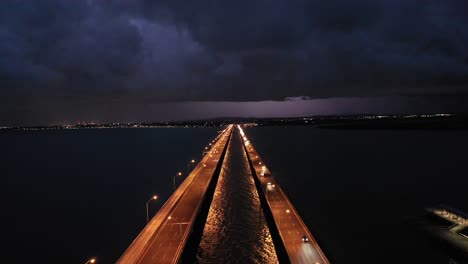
<point>288,222</point>
<point>165,236</point>
<point>450,216</point>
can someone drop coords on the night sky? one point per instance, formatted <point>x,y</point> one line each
<point>65,61</point>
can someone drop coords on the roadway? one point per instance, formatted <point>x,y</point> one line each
<point>166,234</point>
<point>450,216</point>
<point>453,234</point>
<point>289,223</point>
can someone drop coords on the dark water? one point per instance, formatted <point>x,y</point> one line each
<point>69,195</point>
<point>356,189</point>
<point>236,230</point>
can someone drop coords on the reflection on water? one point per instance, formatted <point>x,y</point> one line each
<point>236,230</point>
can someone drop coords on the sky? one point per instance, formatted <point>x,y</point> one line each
<point>65,61</point>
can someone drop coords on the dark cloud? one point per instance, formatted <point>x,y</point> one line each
<point>144,51</point>
<point>331,48</point>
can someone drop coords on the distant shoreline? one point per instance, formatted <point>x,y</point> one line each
<point>397,122</point>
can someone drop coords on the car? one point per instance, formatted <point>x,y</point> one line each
<point>305,238</point>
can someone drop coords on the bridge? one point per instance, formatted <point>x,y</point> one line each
<point>172,231</point>
<point>287,220</point>
<point>455,218</point>
<point>454,232</point>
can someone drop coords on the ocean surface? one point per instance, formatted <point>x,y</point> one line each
<point>72,194</point>
<point>359,189</point>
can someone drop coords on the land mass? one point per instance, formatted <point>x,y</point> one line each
<point>363,121</point>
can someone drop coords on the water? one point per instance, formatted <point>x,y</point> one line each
<point>68,195</point>
<point>236,230</point>
<point>367,183</point>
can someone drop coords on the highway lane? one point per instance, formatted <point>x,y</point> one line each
<point>289,223</point>
<point>164,237</point>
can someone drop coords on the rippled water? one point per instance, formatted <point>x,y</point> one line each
<point>71,194</point>
<point>357,189</point>
<point>236,230</point>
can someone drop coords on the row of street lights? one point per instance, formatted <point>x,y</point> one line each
<point>155,197</point>
<point>269,186</point>
<point>189,164</point>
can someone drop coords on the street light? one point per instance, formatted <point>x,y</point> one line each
<point>91,260</point>
<point>188,166</point>
<point>178,174</point>
<point>155,197</point>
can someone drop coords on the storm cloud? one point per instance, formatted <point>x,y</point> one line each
<point>142,51</point>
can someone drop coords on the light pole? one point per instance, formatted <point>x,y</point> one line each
<point>155,197</point>
<point>91,260</point>
<point>188,166</point>
<point>178,174</point>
